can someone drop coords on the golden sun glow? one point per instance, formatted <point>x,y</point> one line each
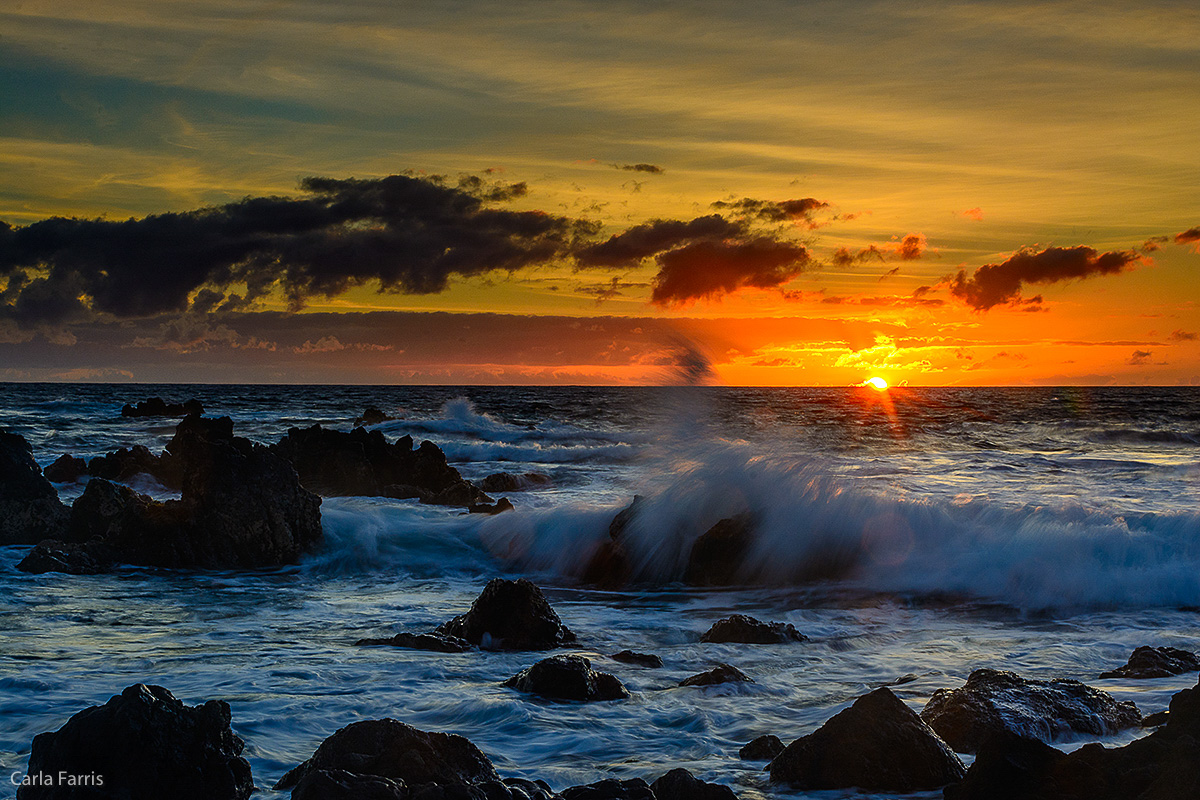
<point>877,383</point>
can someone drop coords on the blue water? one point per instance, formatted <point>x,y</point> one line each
<point>1049,531</point>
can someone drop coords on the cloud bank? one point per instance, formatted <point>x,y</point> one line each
<point>999,284</point>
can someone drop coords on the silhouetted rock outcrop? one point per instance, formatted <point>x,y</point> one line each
<point>510,615</point>
<point>66,469</point>
<point>679,784</point>
<point>432,642</point>
<point>609,565</point>
<point>748,630</point>
<point>641,659</point>
<point>503,504</point>
<point>157,407</point>
<point>30,510</point>
<point>1156,662</point>
<point>373,416</point>
<point>995,701</point>
<point>362,462</point>
<point>610,789</point>
<point>764,748</point>
<point>507,482</point>
<point>878,744</point>
<point>52,555</point>
<point>722,673</point>
<point>718,554</point>
<point>143,744</point>
<point>123,464</point>
<point>568,678</point>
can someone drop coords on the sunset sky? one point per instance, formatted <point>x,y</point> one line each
<point>564,192</point>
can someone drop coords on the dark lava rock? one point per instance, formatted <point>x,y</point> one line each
<point>432,642</point>
<point>679,784</point>
<point>748,630</point>
<point>1156,662</point>
<point>1155,719</point>
<point>568,678</point>
<point>878,744</point>
<point>993,701</point>
<point>66,469</point>
<point>157,407</point>
<point>507,482</point>
<point>641,659</point>
<point>30,510</point>
<point>1010,766</point>
<point>722,673</point>
<point>764,748</point>
<point>503,504</point>
<point>611,789</point>
<point>373,416</point>
<point>123,464</point>
<point>510,615</point>
<point>51,555</point>
<point>616,528</point>
<point>387,748</point>
<point>144,745</point>
<point>718,554</point>
<point>362,462</point>
<point>108,510</point>
<point>609,565</point>
<point>337,784</point>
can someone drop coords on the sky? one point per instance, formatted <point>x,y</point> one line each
<point>816,193</point>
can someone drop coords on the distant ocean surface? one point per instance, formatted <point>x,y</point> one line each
<point>912,532</point>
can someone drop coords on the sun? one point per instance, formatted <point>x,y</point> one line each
<point>877,383</point>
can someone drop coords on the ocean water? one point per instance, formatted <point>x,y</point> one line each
<point>915,533</point>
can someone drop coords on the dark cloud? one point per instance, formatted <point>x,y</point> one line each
<point>628,249</point>
<point>1188,236</point>
<point>843,257</point>
<point>890,273</point>
<point>996,284</point>
<point>409,234</point>
<point>911,247</point>
<point>709,268</point>
<point>652,169</point>
<point>801,210</point>
<point>1183,336</point>
<point>1154,243</point>
<point>1139,358</point>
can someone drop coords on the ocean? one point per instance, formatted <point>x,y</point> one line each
<point>912,534</point>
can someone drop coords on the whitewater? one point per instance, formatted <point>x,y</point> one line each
<point>914,535</point>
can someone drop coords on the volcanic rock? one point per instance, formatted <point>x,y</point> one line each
<point>1156,662</point>
<point>510,615</point>
<point>718,554</point>
<point>143,744</point>
<point>387,748</point>
<point>462,493</point>
<point>568,678</point>
<point>66,469</point>
<point>52,555</point>
<point>748,630</point>
<point>432,642</point>
<point>30,510</point>
<point>641,659</point>
<point>679,784</point>
<point>503,504</point>
<point>123,464</point>
<point>507,482</point>
<point>609,566</point>
<point>877,744</point>
<point>373,416</point>
<point>157,407</point>
<point>611,789</point>
<point>764,748</point>
<point>992,701</point>
<point>337,784</point>
<point>722,673</point>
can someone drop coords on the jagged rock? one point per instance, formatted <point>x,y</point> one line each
<point>679,784</point>
<point>30,510</point>
<point>568,678</point>
<point>877,744</point>
<point>123,464</point>
<point>66,469</point>
<point>432,642</point>
<point>157,407</point>
<point>609,566</point>
<point>510,615</point>
<point>992,701</point>
<point>145,745</point>
<point>718,554</point>
<point>338,784</point>
<point>373,416</point>
<point>51,555</point>
<point>1155,719</point>
<point>764,748</point>
<point>722,673</point>
<point>610,789</point>
<point>1010,766</point>
<point>503,504</point>
<point>387,748</point>
<point>641,659</point>
<point>109,510</point>
<point>616,528</point>
<point>363,462</point>
<point>507,482</point>
<point>748,630</point>
<point>1156,662</point>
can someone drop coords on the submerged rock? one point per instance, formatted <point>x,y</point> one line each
<point>764,748</point>
<point>432,642</point>
<point>878,744</point>
<point>722,673</point>
<point>568,678</point>
<point>1156,662</point>
<point>679,784</point>
<point>30,510</point>
<point>143,744</point>
<point>717,555</point>
<point>648,660</point>
<point>503,504</point>
<point>373,416</point>
<point>157,407</point>
<point>510,615</point>
<point>995,701</point>
<point>507,482</point>
<point>611,789</point>
<point>66,469</point>
<point>748,630</point>
<point>52,555</point>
